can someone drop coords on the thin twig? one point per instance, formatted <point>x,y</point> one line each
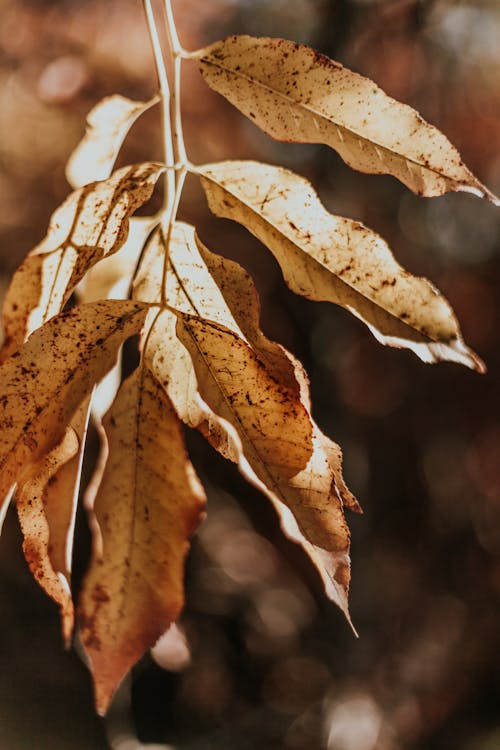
<point>166,104</point>
<point>177,54</point>
<point>167,228</point>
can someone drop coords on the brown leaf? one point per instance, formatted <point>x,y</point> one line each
<point>330,258</point>
<point>296,94</point>
<point>200,283</point>
<point>111,278</point>
<point>107,126</point>
<point>241,298</point>
<point>280,445</point>
<point>31,507</point>
<point>91,224</point>
<point>61,497</point>
<point>148,504</point>
<point>45,381</point>
<point>168,360</point>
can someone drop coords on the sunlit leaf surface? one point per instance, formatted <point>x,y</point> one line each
<point>148,504</point>
<point>330,258</point>
<point>297,94</point>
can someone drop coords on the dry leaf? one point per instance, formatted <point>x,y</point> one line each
<point>31,507</point>
<point>296,94</point>
<point>168,360</point>
<point>91,224</point>
<point>241,299</point>
<point>148,504</point>
<point>111,278</point>
<point>272,424</point>
<point>61,497</point>
<point>45,381</point>
<point>330,258</point>
<point>277,437</point>
<point>204,284</point>
<point>107,126</point>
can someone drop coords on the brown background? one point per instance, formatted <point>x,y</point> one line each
<point>273,663</point>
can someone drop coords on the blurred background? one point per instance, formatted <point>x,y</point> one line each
<point>264,661</point>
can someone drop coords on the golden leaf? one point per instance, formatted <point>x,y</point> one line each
<point>111,278</point>
<point>61,496</point>
<point>296,94</point>
<point>31,499</point>
<point>330,258</point>
<point>148,504</point>
<point>272,424</point>
<point>246,417</point>
<point>91,223</point>
<point>45,381</point>
<point>107,126</point>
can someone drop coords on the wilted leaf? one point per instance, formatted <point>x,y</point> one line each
<point>240,298</point>
<point>330,258</point>
<point>168,360</point>
<point>45,381</point>
<point>277,443</point>
<point>148,504</point>
<point>91,224</point>
<point>267,400</point>
<point>112,278</point>
<point>31,507</point>
<point>61,496</point>
<point>272,424</point>
<point>107,126</point>
<point>297,94</point>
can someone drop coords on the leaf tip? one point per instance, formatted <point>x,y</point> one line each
<point>481,191</point>
<point>462,354</point>
<point>104,692</point>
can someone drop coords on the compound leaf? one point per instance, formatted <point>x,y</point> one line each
<point>244,416</point>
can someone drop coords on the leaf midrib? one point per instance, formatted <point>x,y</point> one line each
<point>238,333</point>
<point>342,281</point>
<point>323,116</point>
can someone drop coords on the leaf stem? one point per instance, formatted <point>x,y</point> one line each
<point>165,93</point>
<point>173,37</point>
<point>167,226</point>
<point>177,55</point>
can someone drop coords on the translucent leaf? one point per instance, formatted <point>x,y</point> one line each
<point>61,496</point>
<point>91,224</point>
<point>254,410</point>
<point>296,94</point>
<point>330,258</point>
<point>275,434</point>
<point>107,126</point>
<point>111,278</point>
<point>31,503</point>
